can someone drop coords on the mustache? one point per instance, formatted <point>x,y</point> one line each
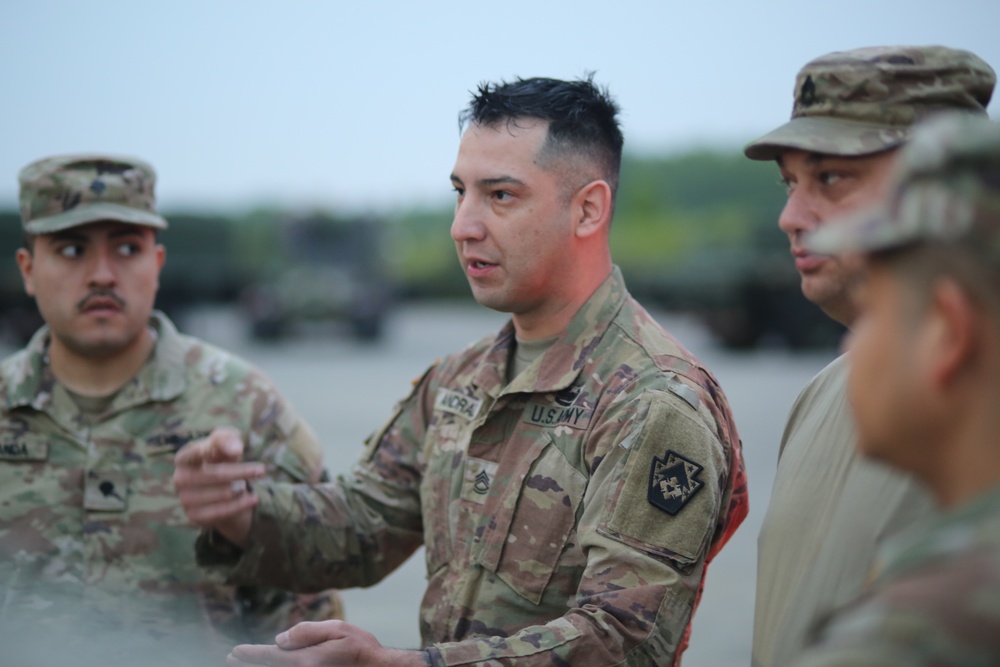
<point>100,294</point>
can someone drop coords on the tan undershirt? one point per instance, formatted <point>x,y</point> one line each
<point>91,407</point>
<point>525,353</point>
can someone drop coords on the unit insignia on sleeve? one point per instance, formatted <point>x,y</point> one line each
<point>673,482</point>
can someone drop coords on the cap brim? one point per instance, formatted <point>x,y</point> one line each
<point>829,136</point>
<point>97,212</point>
<point>865,231</point>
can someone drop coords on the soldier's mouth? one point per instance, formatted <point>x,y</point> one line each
<point>105,301</point>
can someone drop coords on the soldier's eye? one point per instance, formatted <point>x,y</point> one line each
<point>830,177</point>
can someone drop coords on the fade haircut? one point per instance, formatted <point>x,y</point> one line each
<point>922,264</point>
<point>582,118</point>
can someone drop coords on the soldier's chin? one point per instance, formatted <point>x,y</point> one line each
<point>491,300</point>
<point>873,450</point>
<point>98,347</point>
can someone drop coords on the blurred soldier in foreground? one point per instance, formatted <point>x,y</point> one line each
<point>829,508</point>
<point>923,386</point>
<point>570,477</point>
<point>94,545</point>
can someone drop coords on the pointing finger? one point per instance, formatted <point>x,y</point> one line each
<point>225,446</point>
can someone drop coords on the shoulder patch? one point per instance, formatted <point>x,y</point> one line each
<point>673,482</point>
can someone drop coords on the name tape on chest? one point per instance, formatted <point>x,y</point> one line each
<point>24,450</point>
<point>573,416</point>
<point>457,403</point>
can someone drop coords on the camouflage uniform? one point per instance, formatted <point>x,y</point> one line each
<point>94,544</point>
<point>567,516</point>
<point>933,604</point>
<point>866,100</point>
<point>92,507</point>
<point>829,508</point>
<point>935,597</point>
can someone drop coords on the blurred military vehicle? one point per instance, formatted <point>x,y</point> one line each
<point>201,267</point>
<point>19,317</point>
<point>698,233</point>
<point>695,233</point>
<point>746,294</point>
<point>322,269</point>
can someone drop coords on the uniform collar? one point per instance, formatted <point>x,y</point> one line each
<point>30,382</point>
<point>562,362</point>
<point>945,535</point>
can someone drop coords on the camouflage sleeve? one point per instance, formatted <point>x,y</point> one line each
<point>644,525</point>
<point>279,437</point>
<point>351,531</point>
<point>944,616</point>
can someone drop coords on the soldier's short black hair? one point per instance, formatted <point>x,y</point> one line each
<point>582,116</point>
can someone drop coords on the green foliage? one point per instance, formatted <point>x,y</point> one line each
<point>668,208</point>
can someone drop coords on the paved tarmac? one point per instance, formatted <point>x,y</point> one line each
<point>345,389</point>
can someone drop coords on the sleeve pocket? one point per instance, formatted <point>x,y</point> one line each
<point>526,540</point>
<point>666,500</point>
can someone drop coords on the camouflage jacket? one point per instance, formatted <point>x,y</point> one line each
<point>567,516</point>
<point>934,601</point>
<point>92,535</point>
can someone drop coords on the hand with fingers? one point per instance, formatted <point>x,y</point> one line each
<point>211,480</point>
<point>325,643</point>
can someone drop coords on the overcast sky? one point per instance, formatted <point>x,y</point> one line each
<point>354,105</point>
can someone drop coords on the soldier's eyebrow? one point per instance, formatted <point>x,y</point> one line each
<point>491,182</point>
<point>500,180</point>
<point>130,230</point>
<point>65,235</point>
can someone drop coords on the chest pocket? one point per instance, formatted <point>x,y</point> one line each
<point>534,517</point>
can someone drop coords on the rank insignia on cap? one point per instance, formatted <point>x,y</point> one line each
<point>672,482</point>
<point>807,96</point>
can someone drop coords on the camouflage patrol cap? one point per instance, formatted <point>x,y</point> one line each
<point>865,101</point>
<point>69,190</point>
<point>945,188</point>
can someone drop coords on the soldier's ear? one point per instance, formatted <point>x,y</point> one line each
<point>25,263</point>
<point>953,332</point>
<point>592,208</point>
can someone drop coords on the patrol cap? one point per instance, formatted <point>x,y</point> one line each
<point>66,191</point>
<point>945,188</point>
<point>865,101</point>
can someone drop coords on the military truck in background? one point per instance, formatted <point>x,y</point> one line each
<point>201,268</point>
<point>323,270</point>
<point>746,294</point>
<point>697,233</point>
<point>19,317</point>
<point>203,265</point>
<point>283,272</point>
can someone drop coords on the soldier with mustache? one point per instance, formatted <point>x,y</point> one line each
<point>94,544</point>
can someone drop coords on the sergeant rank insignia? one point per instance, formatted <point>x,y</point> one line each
<point>673,482</point>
